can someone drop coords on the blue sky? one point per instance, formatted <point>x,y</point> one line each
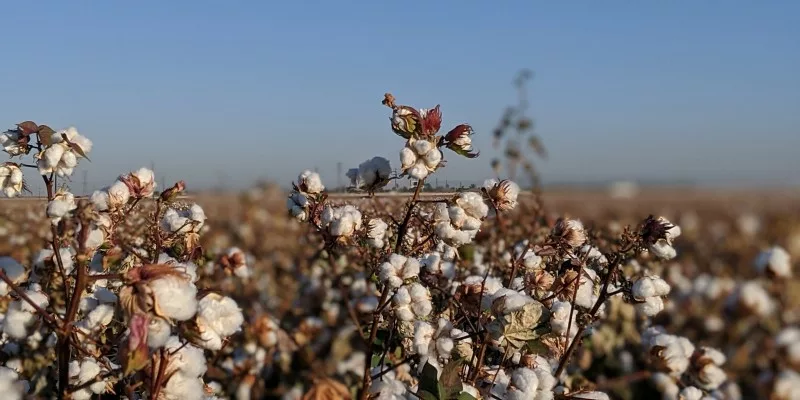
<point>215,91</point>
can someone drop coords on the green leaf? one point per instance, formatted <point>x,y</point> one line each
<point>465,396</point>
<point>428,381</point>
<point>450,384</point>
<point>426,395</point>
<point>376,359</point>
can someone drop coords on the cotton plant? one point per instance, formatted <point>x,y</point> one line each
<point>113,278</point>
<point>371,175</point>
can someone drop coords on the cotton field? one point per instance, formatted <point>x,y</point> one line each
<point>138,291</point>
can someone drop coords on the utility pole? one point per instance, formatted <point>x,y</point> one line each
<point>339,175</point>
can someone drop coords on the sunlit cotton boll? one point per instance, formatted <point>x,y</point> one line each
<point>310,182</point>
<point>647,292</point>
<point>376,232</point>
<point>297,203</point>
<point>21,315</point>
<point>217,317</point>
<point>185,220</point>
<point>185,358</point>
<point>397,269</point>
<point>11,142</point>
<point>751,297</point>
<point>11,183</point>
<point>62,204</point>
<point>158,332</point>
<point>420,158</point>
<point>502,194</point>
<point>14,271</point>
<point>174,297</point>
<point>662,247</point>
<point>83,372</point>
<point>341,221</point>
<point>774,262</point>
<point>11,386</point>
<point>183,387</point>
<point>412,302</point>
<point>142,183</point>
<point>671,353</point>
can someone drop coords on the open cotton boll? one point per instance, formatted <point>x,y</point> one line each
<point>418,171</point>
<point>185,359</point>
<point>100,200</point>
<point>559,318</point>
<point>118,195</point>
<point>174,297</point>
<point>221,313</point>
<point>407,158</point>
<point>432,158</point>
<point>775,262</point>
<point>662,247</point>
<point>523,383</point>
<point>159,331</point>
<point>13,270</point>
<point>649,286</point>
<point>751,297</point>
<point>183,387</point>
<point>473,204</point>
<point>398,269</point>
<point>11,386</point>
<point>310,182</point>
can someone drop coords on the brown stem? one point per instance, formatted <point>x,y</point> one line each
<point>372,335</point>
<point>604,295</point>
<point>401,232</point>
<point>64,348</point>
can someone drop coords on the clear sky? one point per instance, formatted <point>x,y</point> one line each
<point>236,90</point>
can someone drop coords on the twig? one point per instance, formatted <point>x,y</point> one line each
<point>372,335</point>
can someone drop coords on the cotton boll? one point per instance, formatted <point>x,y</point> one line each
<point>221,313</point>
<point>691,393</point>
<point>13,270</point>
<point>387,273</point>
<point>175,297</point>
<point>432,158</point>
<point>775,262</point>
<point>183,387</point>
<point>11,386</point>
<point>310,182</point>
<point>560,318</point>
<point>100,200</point>
<point>407,158</point>
<point>118,195</point>
<point>418,171</point>
<point>101,316</point>
<point>752,297</point>
<point>421,147</point>
<point>159,331</point>
<point>650,286</point>
<point>16,322</point>
<point>650,306</point>
<point>524,380</point>
<point>473,204</point>
<point>189,360</point>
